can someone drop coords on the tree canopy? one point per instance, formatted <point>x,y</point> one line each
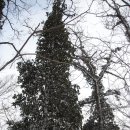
<point>48,98</point>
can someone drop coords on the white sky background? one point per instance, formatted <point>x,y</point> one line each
<point>92,26</point>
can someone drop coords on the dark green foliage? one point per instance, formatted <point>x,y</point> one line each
<point>94,121</point>
<point>2,5</point>
<point>20,125</point>
<point>48,98</point>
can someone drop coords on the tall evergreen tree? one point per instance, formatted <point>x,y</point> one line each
<point>48,99</point>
